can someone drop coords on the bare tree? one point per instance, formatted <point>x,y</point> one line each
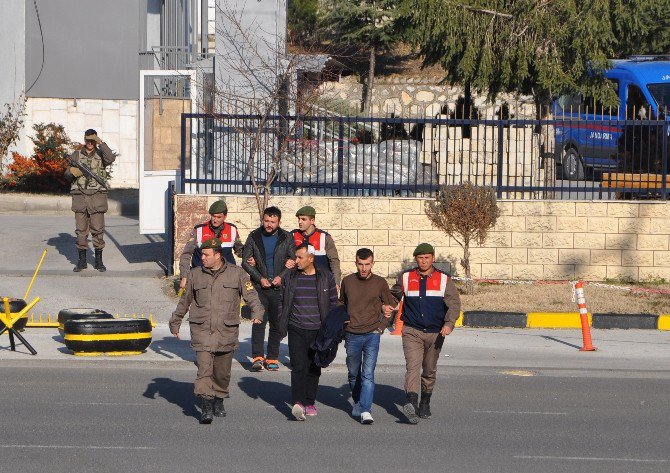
<point>11,123</point>
<point>258,78</point>
<point>466,213</point>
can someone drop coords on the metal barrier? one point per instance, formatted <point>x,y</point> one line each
<point>391,156</point>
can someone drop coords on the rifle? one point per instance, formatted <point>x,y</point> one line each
<point>86,171</point>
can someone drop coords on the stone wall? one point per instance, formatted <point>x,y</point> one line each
<point>165,133</point>
<point>417,97</point>
<point>116,121</point>
<point>533,240</point>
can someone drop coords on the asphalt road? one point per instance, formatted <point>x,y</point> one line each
<point>124,416</point>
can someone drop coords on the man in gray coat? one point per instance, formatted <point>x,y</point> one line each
<point>212,298</point>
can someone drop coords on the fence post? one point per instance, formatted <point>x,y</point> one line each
<point>170,226</point>
<point>340,158</point>
<point>499,179</point>
<point>664,159</point>
<point>183,154</point>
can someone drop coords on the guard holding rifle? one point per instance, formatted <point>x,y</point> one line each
<point>89,188</point>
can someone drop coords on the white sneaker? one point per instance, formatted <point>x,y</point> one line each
<point>298,411</point>
<point>356,410</point>
<point>366,418</point>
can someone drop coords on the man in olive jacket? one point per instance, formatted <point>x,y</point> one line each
<point>271,247</point>
<point>212,298</point>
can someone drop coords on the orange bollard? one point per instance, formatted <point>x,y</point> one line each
<point>583,315</point>
<point>398,323</point>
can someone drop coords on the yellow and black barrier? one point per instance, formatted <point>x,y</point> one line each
<point>13,318</point>
<point>51,321</point>
<point>112,336</point>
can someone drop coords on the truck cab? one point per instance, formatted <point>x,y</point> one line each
<point>587,132</point>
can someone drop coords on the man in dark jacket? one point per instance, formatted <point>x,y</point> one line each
<point>307,295</point>
<point>89,197</point>
<point>431,306</point>
<point>270,246</point>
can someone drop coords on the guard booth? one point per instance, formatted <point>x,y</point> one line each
<point>164,96</point>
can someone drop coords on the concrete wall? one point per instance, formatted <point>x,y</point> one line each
<point>544,240</point>
<point>116,121</point>
<point>90,48</point>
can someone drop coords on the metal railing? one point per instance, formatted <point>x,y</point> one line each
<point>390,156</point>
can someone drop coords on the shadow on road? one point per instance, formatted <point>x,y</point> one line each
<point>273,393</point>
<point>172,348</point>
<point>175,392</point>
<point>65,244</point>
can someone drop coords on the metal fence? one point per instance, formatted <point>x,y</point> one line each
<point>390,156</point>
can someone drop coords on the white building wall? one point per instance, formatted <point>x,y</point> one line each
<point>116,122</point>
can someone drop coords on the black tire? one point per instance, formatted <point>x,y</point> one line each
<point>572,166</point>
<point>114,336</point>
<point>79,314</point>
<point>15,305</point>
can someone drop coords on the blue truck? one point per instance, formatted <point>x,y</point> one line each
<point>587,133</point>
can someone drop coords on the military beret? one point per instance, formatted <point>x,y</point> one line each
<point>212,244</point>
<point>307,211</point>
<point>218,207</point>
<point>424,249</point>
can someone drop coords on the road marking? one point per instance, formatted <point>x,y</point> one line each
<point>83,447</point>
<point>595,459</point>
<point>524,412</point>
<point>523,373</point>
<point>103,404</point>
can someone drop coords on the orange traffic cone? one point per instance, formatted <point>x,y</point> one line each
<point>583,314</point>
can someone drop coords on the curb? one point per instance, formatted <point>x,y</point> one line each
<point>123,202</point>
<point>559,320</point>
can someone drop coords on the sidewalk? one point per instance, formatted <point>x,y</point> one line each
<point>504,349</point>
<point>121,202</point>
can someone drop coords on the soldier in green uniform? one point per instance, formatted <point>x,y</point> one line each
<point>89,197</point>
<point>212,299</point>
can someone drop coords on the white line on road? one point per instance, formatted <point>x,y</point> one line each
<point>595,459</point>
<point>103,404</point>
<point>524,412</point>
<point>83,447</point>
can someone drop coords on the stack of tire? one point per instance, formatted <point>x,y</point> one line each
<point>91,332</point>
<point>15,306</point>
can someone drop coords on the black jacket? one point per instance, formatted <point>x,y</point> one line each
<point>284,250</point>
<point>330,335</point>
<point>324,280</point>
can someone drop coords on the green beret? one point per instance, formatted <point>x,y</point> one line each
<point>212,244</point>
<point>307,211</point>
<point>218,207</point>
<point>424,249</point>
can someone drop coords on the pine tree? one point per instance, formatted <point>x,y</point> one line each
<point>367,24</point>
<point>540,47</point>
<point>301,19</point>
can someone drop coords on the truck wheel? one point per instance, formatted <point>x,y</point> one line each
<point>79,314</point>
<point>108,336</point>
<point>573,167</point>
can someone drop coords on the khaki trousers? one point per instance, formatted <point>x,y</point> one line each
<point>89,215</point>
<point>420,359</point>
<point>213,375</point>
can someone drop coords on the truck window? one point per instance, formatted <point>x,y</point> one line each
<point>637,107</point>
<point>597,107</point>
<point>661,93</point>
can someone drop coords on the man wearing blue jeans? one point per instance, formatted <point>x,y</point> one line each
<point>369,303</point>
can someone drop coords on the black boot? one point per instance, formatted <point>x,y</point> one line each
<point>424,405</point>
<point>410,408</point>
<point>81,264</point>
<point>219,410</point>
<point>98,261</point>
<point>207,415</point>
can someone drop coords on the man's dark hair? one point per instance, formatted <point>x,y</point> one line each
<point>303,246</point>
<point>364,253</point>
<point>90,131</point>
<point>272,212</point>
